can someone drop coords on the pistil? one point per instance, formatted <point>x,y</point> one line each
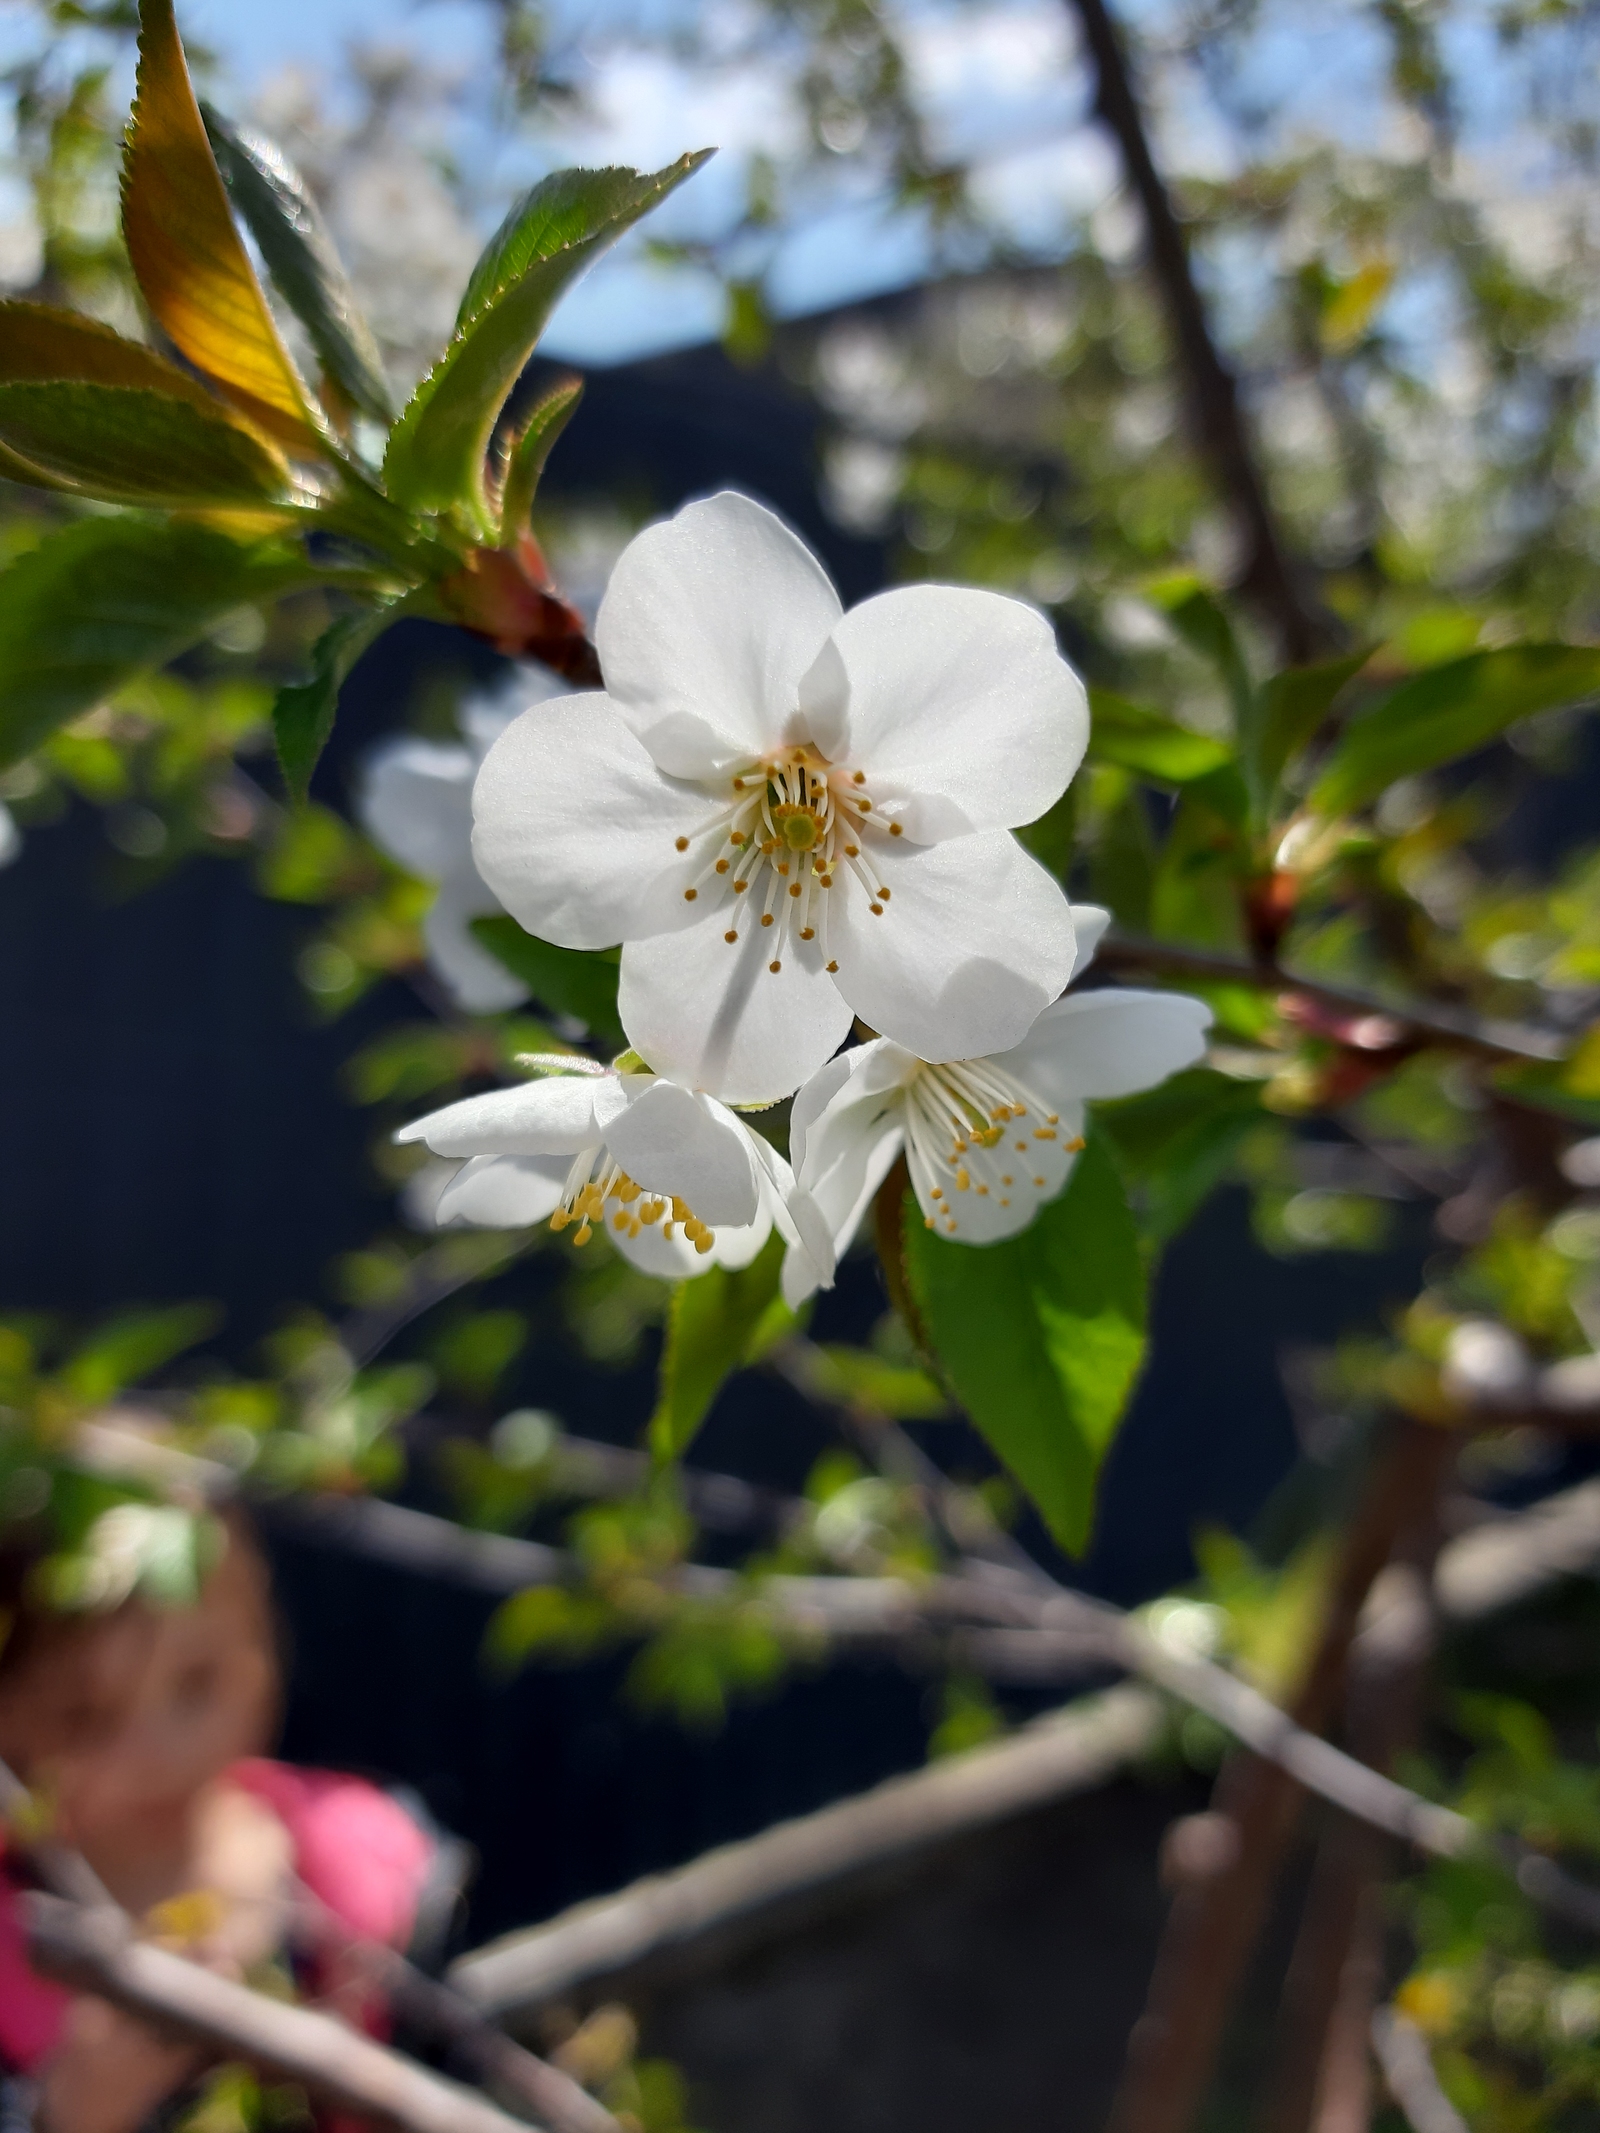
<point>798,819</point>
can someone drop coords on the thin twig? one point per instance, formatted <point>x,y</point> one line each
<point>1215,418</point>
<point>1492,1039</point>
<point>1407,2064</point>
<point>93,1951</point>
<point>554,2096</point>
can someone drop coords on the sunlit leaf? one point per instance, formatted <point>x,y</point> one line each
<point>437,451</point>
<point>277,209</point>
<point>1042,1335</point>
<point>719,1322</point>
<point>190,261</point>
<point>1148,743</point>
<point>100,601</point>
<point>529,451</point>
<point>1451,711</point>
<point>133,446</point>
<point>39,343</point>
<point>570,981</point>
<point>303,711</point>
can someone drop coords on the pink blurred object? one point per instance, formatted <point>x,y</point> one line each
<point>356,1850</point>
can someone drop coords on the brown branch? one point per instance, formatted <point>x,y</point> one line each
<point>92,1951</point>
<point>1332,1982</point>
<point>1435,1025</point>
<point>1215,418</point>
<point>557,2099</point>
<point>1070,1752</point>
<point>1213,1924</point>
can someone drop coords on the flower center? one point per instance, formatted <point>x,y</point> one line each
<point>794,827</point>
<point>587,1197</point>
<point>972,1127</point>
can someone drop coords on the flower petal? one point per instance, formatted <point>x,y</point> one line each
<point>974,942</point>
<point>715,1017</point>
<point>707,626</point>
<point>575,830</point>
<point>1109,1043</point>
<point>557,1116</point>
<point>956,704</point>
<point>414,801</point>
<point>502,1192</point>
<point>845,1130</point>
<point>792,1213</point>
<point>671,1140</point>
<point>475,980</point>
<point>1006,1185</point>
<point>1089,923</point>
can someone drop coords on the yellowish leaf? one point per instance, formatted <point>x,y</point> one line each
<point>1353,305</point>
<point>190,261</point>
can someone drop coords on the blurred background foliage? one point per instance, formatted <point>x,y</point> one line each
<point>1391,214</point>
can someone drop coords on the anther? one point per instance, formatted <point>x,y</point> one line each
<point>860,777</point>
<point>766,918</point>
<point>730,936</point>
<point>1076,1145</point>
<point>560,1219</point>
<point>865,806</point>
<point>883,895</point>
<point>876,910</point>
<point>689,895</point>
<point>774,968</point>
<point>722,866</point>
<point>852,851</point>
<point>808,933</point>
<point>1044,1133</point>
<point>794,888</point>
<point>896,829</point>
<point>739,887</point>
<point>1040,1183</point>
<point>832,967</point>
<point>683,844</point>
<point>738,784</point>
<point>704,1241</point>
<point>584,1234</point>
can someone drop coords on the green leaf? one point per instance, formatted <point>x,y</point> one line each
<point>1148,743</point>
<point>133,446</point>
<point>1451,711</point>
<point>133,1345</point>
<point>277,209</point>
<point>303,711</point>
<point>570,981</point>
<point>1292,706</point>
<point>189,260</point>
<point>437,450</point>
<point>719,1322</point>
<point>40,344</point>
<point>1176,1142</point>
<point>1202,623</point>
<point>1042,1335</point>
<point>528,453</point>
<point>1052,838</point>
<point>101,601</point>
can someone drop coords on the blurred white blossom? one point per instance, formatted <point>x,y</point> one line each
<point>415,802</point>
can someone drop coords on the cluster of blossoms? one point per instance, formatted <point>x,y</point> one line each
<point>792,819</point>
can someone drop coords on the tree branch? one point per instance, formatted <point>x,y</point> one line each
<point>1215,419</point>
<point>92,1951</point>
<point>1436,1025</point>
<point>1402,2052</point>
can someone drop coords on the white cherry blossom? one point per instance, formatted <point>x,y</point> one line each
<point>987,1141</point>
<point>10,836</point>
<point>414,801</point>
<point>682,1182</point>
<point>790,815</point>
